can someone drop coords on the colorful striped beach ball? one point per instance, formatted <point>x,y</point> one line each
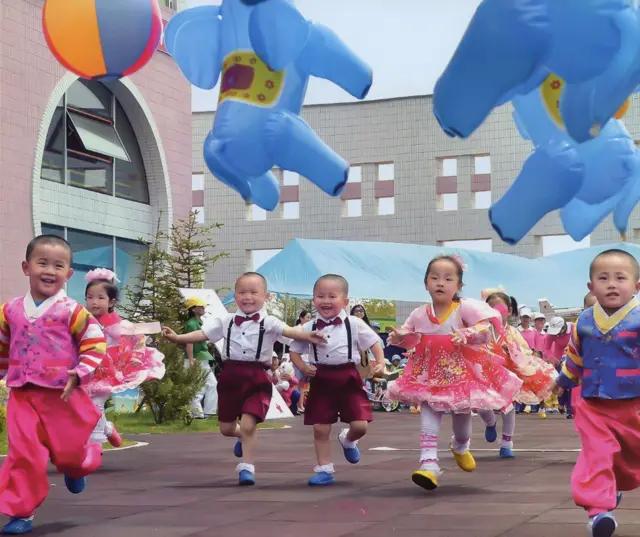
<point>102,39</point>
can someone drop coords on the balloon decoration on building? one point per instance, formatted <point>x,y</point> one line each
<point>264,52</point>
<point>584,163</point>
<point>102,39</point>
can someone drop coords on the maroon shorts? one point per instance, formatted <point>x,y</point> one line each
<point>243,388</point>
<point>336,392</point>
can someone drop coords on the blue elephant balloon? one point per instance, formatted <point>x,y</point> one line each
<point>510,46</point>
<point>585,181</point>
<point>265,51</point>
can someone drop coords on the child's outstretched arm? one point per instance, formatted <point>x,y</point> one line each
<point>476,334</point>
<point>92,344</point>
<point>405,336</point>
<point>197,336</point>
<point>572,366</point>
<point>300,334</point>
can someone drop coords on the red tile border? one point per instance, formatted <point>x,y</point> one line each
<point>289,193</point>
<point>447,185</point>
<point>385,189</point>
<point>352,191</point>
<point>481,182</point>
<point>197,198</point>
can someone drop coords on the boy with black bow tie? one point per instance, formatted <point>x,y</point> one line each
<point>244,388</point>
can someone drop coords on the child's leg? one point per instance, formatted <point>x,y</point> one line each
<point>248,426</point>
<point>508,429</point>
<point>322,445</point>
<point>490,421</point>
<point>430,421</point>
<point>349,440</point>
<point>461,441</point>
<point>23,479</point>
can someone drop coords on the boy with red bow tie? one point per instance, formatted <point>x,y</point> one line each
<point>244,388</point>
<point>336,389</point>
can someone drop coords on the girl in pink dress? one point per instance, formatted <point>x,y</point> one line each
<point>538,376</point>
<point>128,362</point>
<point>452,368</point>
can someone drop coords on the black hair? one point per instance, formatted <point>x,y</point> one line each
<point>365,318</point>
<point>303,314</point>
<point>112,290</point>
<point>249,274</point>
<point>336,278</point>
<point>55,240</point>
<point>508,301</point>
<point>459,271</point>
<point>616,251</point>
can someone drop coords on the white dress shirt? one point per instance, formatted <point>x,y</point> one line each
<point>336,349</point>
<point>243,344</point>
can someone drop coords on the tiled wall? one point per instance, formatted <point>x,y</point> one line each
<point>28,76</point>
<point>402,131</point>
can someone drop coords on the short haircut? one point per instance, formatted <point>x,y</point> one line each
<point>54,240</point>
<point>618,252</point>
<point>249,275</point>
<point>333,278</point>
<point>587,298</point>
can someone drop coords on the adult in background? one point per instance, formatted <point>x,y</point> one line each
<point>205,402</point>
<point>303,383</point>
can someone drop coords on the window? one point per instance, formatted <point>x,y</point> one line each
<point>199,212</point>
<point>91,144</point>
<point>479,245</point>
<point>386,206</point>
<point>355,174</point>
<point>557,244</point>
<point>290,178</point>
<point>197,182</point>
<point>257,214</point>
<point>482,200</point>
<point>449,167</point>
<point>447,202</point>
<point>353,208</point>
<point>260,257</point>
<point>291,210</point>
<point>482,165</point>
<point>386,172</point>
<point>92,250</point>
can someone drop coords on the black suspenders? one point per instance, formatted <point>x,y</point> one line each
<point>260,340</point>
<point>347,325</point>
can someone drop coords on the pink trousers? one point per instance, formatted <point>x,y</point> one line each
<point>41,426</point>
<point>609,460</point>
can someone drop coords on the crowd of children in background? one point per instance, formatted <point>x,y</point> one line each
<point>463,357</point>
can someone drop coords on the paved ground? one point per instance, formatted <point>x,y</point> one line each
<point>186,486</point>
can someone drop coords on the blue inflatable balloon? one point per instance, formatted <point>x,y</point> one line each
<point>265,51</point>
<point>510,46</point>
<point>585,181</point>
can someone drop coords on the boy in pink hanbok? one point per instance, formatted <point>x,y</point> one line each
<point>50,347</point>
<point>602,356</point>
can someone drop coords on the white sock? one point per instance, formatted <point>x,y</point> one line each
<point>344,442</point>
<point>431,466</point>
<point>328,468</point>
<point>108,429</point>
<point>245,466</point>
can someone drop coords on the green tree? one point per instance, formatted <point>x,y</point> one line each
<point>155,296</point>
<point>379,310</point>
<point>287,307</point>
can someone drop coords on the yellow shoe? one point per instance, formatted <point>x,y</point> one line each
<point>425,479</point>
<point>465,461</point>
<point>543,415</point>
<point>527,409</point>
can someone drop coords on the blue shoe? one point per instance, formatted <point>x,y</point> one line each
<point>506,453</point>
<point>18,526</point>
<point>75,486</point>
<point>237,449</point>
<point>246,479</point>
<point>321,479</point>
<point>602,525</point>
<point>491,433</point>
<point>618,499</point>
<point>351,454</point>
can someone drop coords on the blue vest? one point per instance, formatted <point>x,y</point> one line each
<point>611,361</point>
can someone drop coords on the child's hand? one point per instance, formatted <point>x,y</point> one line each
<point>309,371</point>
<point>169,334</point>
<point>378,369</point>
<point>395,336</point>
<point>72,383</point>
<point>457,337</point>
<point>317,338</point>
<point>558,390</point>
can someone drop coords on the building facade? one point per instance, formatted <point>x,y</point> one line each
<point>99,164</point>
<point>409,183</point>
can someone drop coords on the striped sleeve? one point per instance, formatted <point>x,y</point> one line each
<point>5,338</point>
<point>572,366</point>
<point>92,344</point>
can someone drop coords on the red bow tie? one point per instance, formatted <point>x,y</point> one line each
<point>323,324</point>
<point>240,319</point>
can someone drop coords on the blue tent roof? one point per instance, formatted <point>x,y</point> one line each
<point>395,271</point>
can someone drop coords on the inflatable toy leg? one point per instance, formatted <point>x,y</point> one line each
<point>549,179</point>
<point>580,219</point>
<point>294,146</point>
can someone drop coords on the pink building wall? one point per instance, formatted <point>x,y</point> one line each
<point>28,75</point>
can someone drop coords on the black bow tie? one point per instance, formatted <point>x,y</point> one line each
<point>321,324</point>
<point>240,319</point>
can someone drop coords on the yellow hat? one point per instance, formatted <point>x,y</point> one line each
<point>193,301</point>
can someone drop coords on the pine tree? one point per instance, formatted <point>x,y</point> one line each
<point>155,296</point>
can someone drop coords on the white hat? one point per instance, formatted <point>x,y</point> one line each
<point>537,315</point>
<point>555,326</point>
<point>525,312</point>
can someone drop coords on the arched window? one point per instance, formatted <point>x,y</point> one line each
<point>91,144</point>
